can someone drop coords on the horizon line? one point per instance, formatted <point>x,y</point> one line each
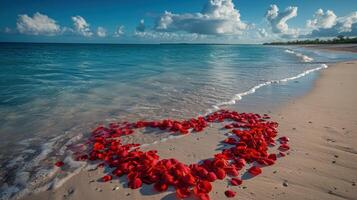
<point>161,43</point>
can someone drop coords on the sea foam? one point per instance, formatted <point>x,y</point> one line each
<point>239,96</point>
<point>304,58</point>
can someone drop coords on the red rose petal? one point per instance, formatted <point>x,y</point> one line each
<point>230,141</point>
<point>232,171</point>
<point>230,193</point>
<point>189,179</point>
<point>203,196</point>
<point>236,181</point>
<point>160,187</point>
<point>182,193</point>
<point>211,177</point>
<point>255,171</point>
<point>136,183</point>
<point>204,187</point>
<point>283,140</point>
<point>229,126</point>
<point>221,174</point>
<point>284,147</point>
<point>59,163</point>
<point>106,178</point>
<point>272,156</point>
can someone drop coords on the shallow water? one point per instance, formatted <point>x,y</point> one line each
<point>52,94</point>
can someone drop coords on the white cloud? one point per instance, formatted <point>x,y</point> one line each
<point>156,36</point>
<point>348,23</point>
<point>278,20</point>
<point>218,17</point>
<point>81,26</point>
<point>119,32</point>
<point>346,26</point>
<point>141,26</point>
<point>38,24</point>
<point>322,19</point>
<point>262,33</point>
<point>101,32</point>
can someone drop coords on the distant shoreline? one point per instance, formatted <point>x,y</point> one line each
<point>333,47</point>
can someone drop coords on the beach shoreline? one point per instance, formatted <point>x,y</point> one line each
<point>320,165</point>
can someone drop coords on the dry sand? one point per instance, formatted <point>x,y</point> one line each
<point>322,163</point>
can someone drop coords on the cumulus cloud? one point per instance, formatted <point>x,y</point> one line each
<point>218,17</point>
<point>38,24</point>
<point>348,23</point>
<point>262,33</point>
<point>101,32</point>
<point>278,20</point>
<point>141,26</point>
<point>119,32</point>
<point>322,19</point>
<point>346,26</point>
<point>81,26</point>
<point>156,36</point>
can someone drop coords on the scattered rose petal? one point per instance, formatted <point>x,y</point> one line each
<point>284,147</point>
<point>211,177</point>
<point>59,163</point>
<point>182,193</point>
<point>255,171</point>
<point>272,156</point>
<point>160,187</point>
<point>283,140</point>
<point>236,181</point>
<point>230,193</point>
<point>136,183</point>
<point>221,174</point>
<point>106,178</point>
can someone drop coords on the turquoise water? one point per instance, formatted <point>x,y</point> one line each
<point>51,94</point>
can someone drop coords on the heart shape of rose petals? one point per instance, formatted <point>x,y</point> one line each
<point>252,135</point>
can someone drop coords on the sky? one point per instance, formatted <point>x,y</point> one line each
<point>165,21</point>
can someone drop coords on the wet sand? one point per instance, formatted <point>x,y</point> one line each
<point>322,162</point>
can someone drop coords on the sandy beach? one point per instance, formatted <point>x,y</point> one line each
<point>196,100</point>
<point>321,163</point>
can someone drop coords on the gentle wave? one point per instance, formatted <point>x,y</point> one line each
<point>303,57</point>
<point>56,182</point>
<point>252,90</point>
<point>40,182</point>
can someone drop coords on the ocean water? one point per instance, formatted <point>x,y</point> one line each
<point>52,95</point>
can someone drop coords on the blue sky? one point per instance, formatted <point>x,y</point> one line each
<point>226,21</point>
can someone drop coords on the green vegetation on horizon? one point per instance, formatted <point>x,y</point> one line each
<point>338,40</point>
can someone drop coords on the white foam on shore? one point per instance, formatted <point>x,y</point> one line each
<point>303,57</point>
<point>252,90</point>
<point>24,185</point>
